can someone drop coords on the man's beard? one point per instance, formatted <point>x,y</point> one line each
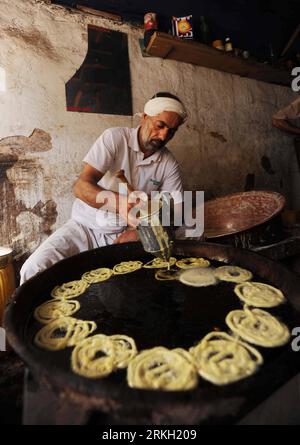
<point>153,144</point>
<point>150,144</point>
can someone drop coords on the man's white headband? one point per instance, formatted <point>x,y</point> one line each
<point>160,104</point>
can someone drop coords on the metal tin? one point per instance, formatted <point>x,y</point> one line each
<point>156,238</point>
<point>5,256</point>
<point>7,278</point>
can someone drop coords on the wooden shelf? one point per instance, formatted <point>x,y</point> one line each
<point>173,48</point>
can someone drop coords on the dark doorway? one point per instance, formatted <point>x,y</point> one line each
<point>102,83</point>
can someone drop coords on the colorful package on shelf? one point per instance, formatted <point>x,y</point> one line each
<point>183,27</point>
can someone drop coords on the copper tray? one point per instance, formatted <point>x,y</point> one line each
<point>240,211</point>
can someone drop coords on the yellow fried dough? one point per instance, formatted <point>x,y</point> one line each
<point>259,294</point>
<point>222,359</point>
<point>159,263</point>
<point>189,263</point>
<point>198,277</point>
<point>233,274</point>
<point>127,267</point>
<point>124,350</point>
<point>161,368</point>
<point>63,332</point>
<point>166,275</point>
<point>97,275</point>
<point>99,355</point>
<point>258,327</point>
<point>50,310</point>
<point>93,357</point>
<point>72,289</point>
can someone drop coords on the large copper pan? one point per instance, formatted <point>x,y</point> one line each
<point>240,212</point>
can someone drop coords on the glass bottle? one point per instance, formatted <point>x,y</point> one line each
<point>205,32</point>
<point>228,45</point>
<point>272,55</point>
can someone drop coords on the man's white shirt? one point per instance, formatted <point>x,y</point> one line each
<point>116,149</point>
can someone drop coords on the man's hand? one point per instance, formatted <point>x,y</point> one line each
<point>86,188</point>
<point>285,125</point>
<point>127,236</point>
<point>129,207</point>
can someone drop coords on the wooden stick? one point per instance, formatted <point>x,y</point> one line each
<point>291,41</point>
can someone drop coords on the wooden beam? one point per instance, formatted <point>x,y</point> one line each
<point>104,14</point>
<point>174,48</point>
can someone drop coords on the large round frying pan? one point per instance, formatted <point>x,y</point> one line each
<point>154,313</point>
<point>240,212</point>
